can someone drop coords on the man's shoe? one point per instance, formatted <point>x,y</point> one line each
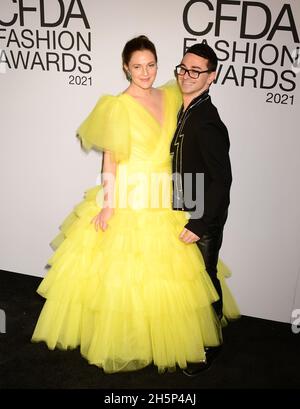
<point>194,369</point>
<point>212,353</point>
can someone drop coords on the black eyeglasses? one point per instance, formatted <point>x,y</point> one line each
<point>180,70</point>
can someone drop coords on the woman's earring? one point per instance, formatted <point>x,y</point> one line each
<point>128,76</point>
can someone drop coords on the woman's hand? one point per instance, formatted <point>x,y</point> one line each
<point>108,180</point>
<point>102,218</point>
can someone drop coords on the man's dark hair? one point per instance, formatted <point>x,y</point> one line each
<point>205,51</point>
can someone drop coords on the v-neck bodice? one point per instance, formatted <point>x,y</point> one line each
<point>150,140</point>
<point>124,126</point>
<point>121,125</point>
<point>147,110</point>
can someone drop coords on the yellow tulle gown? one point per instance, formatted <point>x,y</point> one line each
<point>134,294</point>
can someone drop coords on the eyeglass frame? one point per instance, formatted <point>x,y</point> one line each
<point>188,71</point>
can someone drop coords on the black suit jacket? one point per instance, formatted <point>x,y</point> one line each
<point>201,145</point>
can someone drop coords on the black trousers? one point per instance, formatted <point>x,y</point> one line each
<point>209,245</point>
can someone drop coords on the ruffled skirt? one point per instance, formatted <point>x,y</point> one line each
<point>132,295</point>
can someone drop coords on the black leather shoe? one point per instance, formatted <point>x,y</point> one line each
<point>194,369</point>
<point>212,352</point>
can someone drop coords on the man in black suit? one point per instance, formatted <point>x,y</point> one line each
<point>201,146</point>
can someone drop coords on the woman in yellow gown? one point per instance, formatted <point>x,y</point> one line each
<point>121,284</point>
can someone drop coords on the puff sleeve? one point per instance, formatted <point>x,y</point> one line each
<point>107,128</point>
<point>173,93</point>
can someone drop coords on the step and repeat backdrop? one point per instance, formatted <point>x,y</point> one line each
<point>57,57</point>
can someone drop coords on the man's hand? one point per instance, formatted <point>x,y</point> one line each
<point>188,237</point>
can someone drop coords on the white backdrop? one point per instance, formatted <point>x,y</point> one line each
<point>44,173</point>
